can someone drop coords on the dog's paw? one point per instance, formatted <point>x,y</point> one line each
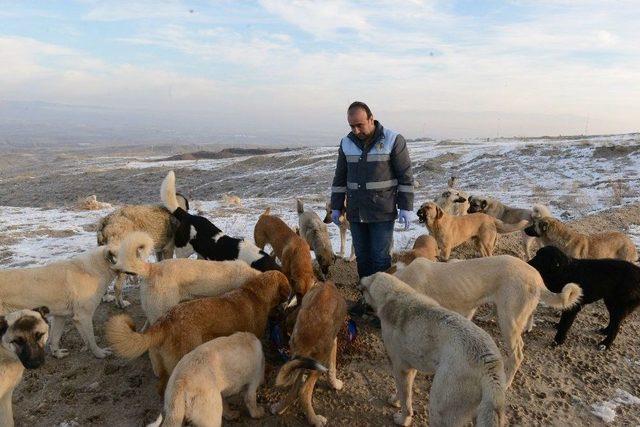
<point>337,384</point>
<point>400,419</point>
<point>123,304</point>
<point>258,412</point>
<point>60,353</point>
<point>108,298</point>
<point>318,421</point>
<point>393,401</point>
<point>101,353</point>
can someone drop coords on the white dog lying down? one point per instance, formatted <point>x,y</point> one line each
<point>207,375</point>
<point>70,288</point>
<point>418,334</point>
<point>510,283</point>
<point>166,283</point>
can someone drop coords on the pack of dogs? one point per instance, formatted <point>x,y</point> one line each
<point>207,317</point>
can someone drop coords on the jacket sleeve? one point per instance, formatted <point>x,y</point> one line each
<point>339,186</point>
<point>401,164</point>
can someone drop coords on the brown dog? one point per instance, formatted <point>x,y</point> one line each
<point>425,246</point>
<point>577,245</point>
<point>293,251</point>
<point>451,231</point>
<point>313,345</point>
<point>189,324</point>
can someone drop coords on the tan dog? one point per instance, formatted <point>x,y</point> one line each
<point>166,283</point>
<point>293,251</point>
<point>418,334</point>
<point>23,336</point>
<point>577,245</point>
<point>191,323</point>
<point>210,373</point>
<point>454,202</point>
<point>425,246</point>
<point>314,232</point>
<point>508,282</point>
<point>314,345</point>
<point>70,288</point>
<point>154,220</point>
<point>452,231</point>
<point>344,227</point>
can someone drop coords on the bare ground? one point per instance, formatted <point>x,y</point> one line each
<point>554,385</point>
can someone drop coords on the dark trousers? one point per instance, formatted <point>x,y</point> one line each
<point>372,242</point>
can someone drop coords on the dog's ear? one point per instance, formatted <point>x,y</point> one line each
<point>439,212</point>
<point>43,310</point>
<point>483,204</point>
<point>110,257</point>
<point>140,251</point>
<point>3,325</point>
<point>544,226</point>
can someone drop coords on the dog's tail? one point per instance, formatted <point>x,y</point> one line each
<point>491,408</point>
<point>300,206</point>
<point>289,371</point>
<point>540,211</point>
<point>168,192</point>
<point>157,422</point>
<point>126,342</point>
<point>502,227</point>
<point>567,298</point>
<point>266,212</point>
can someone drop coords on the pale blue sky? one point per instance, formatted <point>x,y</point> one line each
<point>450,68</point>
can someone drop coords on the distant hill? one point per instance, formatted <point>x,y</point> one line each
<point>223,154</point>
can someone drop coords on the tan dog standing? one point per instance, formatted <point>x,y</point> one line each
<point>166,283</point>
<point>452,231</point>
<point>191,323</point>
<point>314,345</point>
<point>23,336</point>
<point>577,245</point>
<point>210,373</point>
<point>315,233</point>
<point>344,227</point>
<point>291,249</point>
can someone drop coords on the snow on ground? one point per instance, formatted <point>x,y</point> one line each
<point>607,410</point>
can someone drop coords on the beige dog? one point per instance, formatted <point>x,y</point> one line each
<point>418,334</point>
<point>314,232</point>
<point>70,288</point>
<point>314,344</point>
<point>509,215</point>
<point>577,245</point>
<point>344,227</point>
<point>166,283</point>
<point>23,336</point>
<point>210,373</point>
<point>425,246</point>
<point>154,220</point>
<point>451,231</point>
<point>508,282</point>
<point>454,202</point>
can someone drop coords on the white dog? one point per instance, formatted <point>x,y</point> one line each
<point>418,334</point>
<point>508,282</point>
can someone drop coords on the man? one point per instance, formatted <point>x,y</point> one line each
<point>374,174</point>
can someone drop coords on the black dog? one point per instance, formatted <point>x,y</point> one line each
<point>615,281</point>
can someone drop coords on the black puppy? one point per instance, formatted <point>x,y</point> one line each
<point>615,281</point>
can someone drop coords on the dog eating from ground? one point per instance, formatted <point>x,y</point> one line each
<point>425,246</point>
<point>168,282</point>
<point>314,345</point>
<point>70,288</point>
<point>315,233</point>
<point>508,282</point>
<point>614,245</point>
<point>615,281</point>
<point>208,240</point>
<point>451,231</point>
<point>209,374</point>
<point>418,334</point>
<point>344,227</point>
<point>509,215</point>
<point>23,336</point>
<point>191,323</point>
<point>292,250</point>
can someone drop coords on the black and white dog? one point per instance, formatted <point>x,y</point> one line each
<point>615,281</point>
<point>206,239</point>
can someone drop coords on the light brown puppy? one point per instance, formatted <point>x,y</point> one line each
<point>425,246</point>
<point>189,324</point>
<point>313,346</point>
<point>344,227</point>
<point>293,251</point>
<point>166,283</point>
<point>451,231</point>
<point>210,373</point>
<point>577,245</point>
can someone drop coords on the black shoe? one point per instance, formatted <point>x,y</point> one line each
<point>359,308</point>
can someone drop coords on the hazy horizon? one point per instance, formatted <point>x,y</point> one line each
<point>198,70</point>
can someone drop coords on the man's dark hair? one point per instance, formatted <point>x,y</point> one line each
<point>361,105</point>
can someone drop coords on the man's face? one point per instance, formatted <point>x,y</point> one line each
<point>361,126</point>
